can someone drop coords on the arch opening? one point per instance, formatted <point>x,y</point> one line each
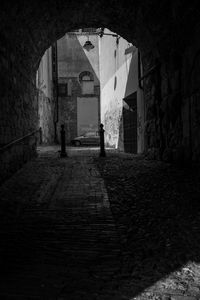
<point>85,91</point>
<point>165,34</point>
<point>168,79</point>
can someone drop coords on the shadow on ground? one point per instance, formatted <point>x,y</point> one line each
<point>51,250</point>
<point>156,207</point>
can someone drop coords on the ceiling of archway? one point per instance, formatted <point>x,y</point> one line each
<point>150,24</point>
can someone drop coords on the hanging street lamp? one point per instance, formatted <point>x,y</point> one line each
<point>88,45</point>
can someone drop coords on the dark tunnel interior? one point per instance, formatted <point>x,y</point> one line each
<point>154,196</point>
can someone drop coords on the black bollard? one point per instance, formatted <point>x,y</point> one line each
<point>102,146</point>
<point>62,138</point>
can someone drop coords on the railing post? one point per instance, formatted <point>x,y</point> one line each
<point>62,138</point>
<point>102,146</point>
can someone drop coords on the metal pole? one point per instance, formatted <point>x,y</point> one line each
<point>55,87</point>
<point>102,146</point>
<point>139,71</point>
<point>40,133</point>
<point>62,138</point>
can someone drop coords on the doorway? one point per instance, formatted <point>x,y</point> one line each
<point>130,123</point>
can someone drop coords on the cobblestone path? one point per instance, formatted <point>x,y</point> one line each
<point>58,237</point>
<point>90,228</point>
<point>157,212</point>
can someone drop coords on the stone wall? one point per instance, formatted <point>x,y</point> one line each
<point>119,79</point>
<point>171,92</point>
<point>18,112</point>
<point>46,102</point>
<point>74,60</point>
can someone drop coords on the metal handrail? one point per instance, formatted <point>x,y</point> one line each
<point>4,148</point>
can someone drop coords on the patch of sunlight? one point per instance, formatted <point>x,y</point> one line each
<point>183,282</point>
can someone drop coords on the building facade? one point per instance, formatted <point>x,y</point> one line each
<point>46,101</point>
<point>78,83</point>
<point>122,107</point>
<point>100,84</point>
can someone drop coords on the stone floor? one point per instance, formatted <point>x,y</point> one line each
<point>85,227</point>
<point>157,213</point>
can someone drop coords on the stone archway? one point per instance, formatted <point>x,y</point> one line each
<point>163,31</point>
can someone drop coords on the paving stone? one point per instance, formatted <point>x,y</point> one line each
<point>155,206</point>
<point>88,228</point>
<point>66,245</point>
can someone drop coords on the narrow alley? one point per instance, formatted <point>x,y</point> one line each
<point>63,241</point>
<point>85,227</point>
<point>86,76</point>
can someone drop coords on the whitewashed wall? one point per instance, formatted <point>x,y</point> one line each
<point>119,78</point>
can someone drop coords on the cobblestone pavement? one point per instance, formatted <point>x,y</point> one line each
<point>58,237</point>
<point>157,212</point>
<point>85,227</point>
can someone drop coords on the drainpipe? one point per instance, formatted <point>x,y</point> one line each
<point>139,71</point>
<point>55,88</point>
<point>99,106</point>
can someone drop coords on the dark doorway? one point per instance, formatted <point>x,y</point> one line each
<point>130,123</point>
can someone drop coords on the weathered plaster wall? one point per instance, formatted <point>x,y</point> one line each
<point>113,86</point>
<point>73,59</point>
<point>46,111</point>
<point>44,74</point>
<point>68,111</point>
<point>87,114</point>
<point>119,78</point>
<point>46,105</point>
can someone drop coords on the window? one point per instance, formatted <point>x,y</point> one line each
<point>86,75</point>
<point>86,78</point>
<point>87,82</point>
